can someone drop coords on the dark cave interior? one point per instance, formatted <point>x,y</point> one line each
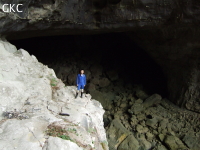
<point>111,50</point>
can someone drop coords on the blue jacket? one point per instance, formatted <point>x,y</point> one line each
<point>81,79</point>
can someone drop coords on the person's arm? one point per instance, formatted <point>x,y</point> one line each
<point>85,80</point>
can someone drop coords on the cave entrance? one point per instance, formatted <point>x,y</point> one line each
<point>112,51</point>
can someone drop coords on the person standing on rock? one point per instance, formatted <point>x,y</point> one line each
<point>81,82</point>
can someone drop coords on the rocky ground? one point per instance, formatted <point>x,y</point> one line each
<point>38,112</point>
<point>150,122</point>
<point>133,119</point>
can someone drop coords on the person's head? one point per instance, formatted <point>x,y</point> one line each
<point>81,71</point>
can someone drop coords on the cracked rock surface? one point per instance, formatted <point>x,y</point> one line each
<point>34,104</point>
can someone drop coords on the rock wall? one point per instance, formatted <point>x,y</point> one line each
<point>38,112</point>
<point>177,51</point>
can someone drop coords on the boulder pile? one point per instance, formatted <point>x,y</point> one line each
<point>151,123</point>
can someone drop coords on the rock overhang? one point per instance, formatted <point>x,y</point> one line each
<point>82,17</point>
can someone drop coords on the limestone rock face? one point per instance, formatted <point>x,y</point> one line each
<point>58,143</point>
<point>37,111</point>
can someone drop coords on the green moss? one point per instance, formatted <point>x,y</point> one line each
<point>57,132</point>
<point>104,145</point>
<point>65,137</point>
<point>91,130</point>
<point>53,80</point>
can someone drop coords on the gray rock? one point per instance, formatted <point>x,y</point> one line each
<point>91,87</point>
<point>143,142</point>
<point>149,136</point>
<point>96,70</point>
<point>160,147</point>
<point>153,99</point>
<point>145,129</point>
<point>163,123</point>
<point>142,122</point>
<point>104,98</point>
<point>174,143</point>
<point>58,143</point>
<point>137,108</point>
<point>123,105</point>
<point>161,137</point>
<point>130,143</point>
<point>23,134</point>
<point>141,117</point>
<point>95,81</point>
<point>139,128</point>
<point>152,122</point>
<point>192,142</point>
<point>116,134</point>
<point>134,120</point>
<point>112,74</point>
<point>139,101</point>
<point>141,94</point>
<point>104,82</point>
<point>155,132</point>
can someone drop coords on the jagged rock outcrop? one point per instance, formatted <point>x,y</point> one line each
<point>38,112</point>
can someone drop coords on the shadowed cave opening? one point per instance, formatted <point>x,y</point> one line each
<point>112,51</point>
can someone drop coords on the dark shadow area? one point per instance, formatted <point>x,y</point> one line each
<point>113,50</point>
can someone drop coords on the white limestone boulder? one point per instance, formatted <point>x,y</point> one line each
<point>33,101</point>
